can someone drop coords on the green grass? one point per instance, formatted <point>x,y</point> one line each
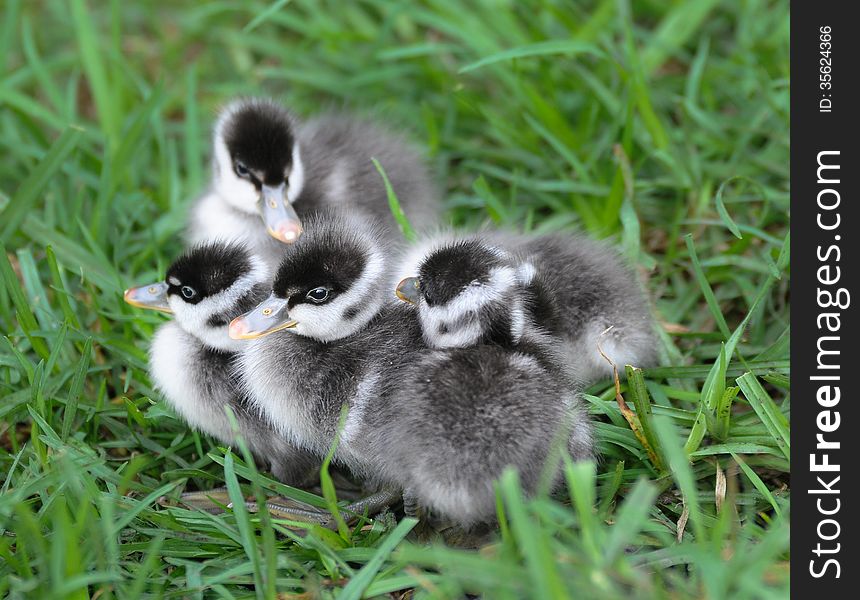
<point>663,125</point>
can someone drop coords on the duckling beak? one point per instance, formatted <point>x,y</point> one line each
<point>281,219</point>
<point>268,317</point>
<point>152,296</point>
<point>409,290</point>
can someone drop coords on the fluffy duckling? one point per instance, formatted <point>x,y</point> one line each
<point>442,424</point>
<point>327,335</point>
<point>455,419</point>
<point>573,287</point>
<point>270,169</point>
<point>191,357</point>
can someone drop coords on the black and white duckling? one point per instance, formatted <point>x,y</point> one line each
<point>191,357</point>
<point>574,288</point>
<point>325,336</point>
<point>270,169</point>
<point>454,419</point>
<point>442,424</point>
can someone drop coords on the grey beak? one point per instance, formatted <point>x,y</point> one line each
<point>280,218</point>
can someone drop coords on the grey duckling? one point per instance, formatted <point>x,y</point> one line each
<point>574,288</point>
<point>270,169</point>
<point>499,391</point>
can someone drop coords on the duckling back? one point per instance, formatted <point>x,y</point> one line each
<point>455,419</point>
<point>482,285</point>
<point>340,172</point>
<point>584,293</point>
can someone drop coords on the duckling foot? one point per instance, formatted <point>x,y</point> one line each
<point>411,507</point>
<point>212,501</point>
<point>373,504</point>
<point>284,508</point>
<point>216,500</point>
<point>424,531</point>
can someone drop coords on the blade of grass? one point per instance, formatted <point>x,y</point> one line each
<point>76,389</point>
<point>362,580</point>
<point>62,295</point>
<point>92,59</point>
<point>580,484</point>
<point>549,47</point>
<point>767,411</point>
<point>630,520</point>
<point>267,532</point>
<point>679,468</point>
<point>721,208</point>
<point>243,521</point>
<point>532,540</point>
<point>328,490</point>
<point>637,390</point>
<point>675,29</point>
<point>26,318</point>
<point>28,192</point>
<point>264,15</point>
<point>758,483</point>
<point>394,204</point>
<point>705,286</point>
<point>724,413</point>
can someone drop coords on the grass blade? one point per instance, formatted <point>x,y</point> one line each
<point>708,292</point>
<point>362,580</point>
<point>394,204</point>
<point>545,578</point>
<point>630,519</point>
<point>92,59</point>
<point>76,388</point>
<point>28,192</point>
<point>243,520</point>
<point>758,483</point>
<point>264,15</point>
<point>767,411</point>
<point>549,47</point>
<point>26,318</point>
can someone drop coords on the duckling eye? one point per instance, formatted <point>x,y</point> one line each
<point>242,170</point>
<point>318,295</point>
<point>188,292</point>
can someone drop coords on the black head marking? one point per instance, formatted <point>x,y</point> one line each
<point>447,271</point>
<point>206,270</point>
<point>330,261</point>
<point>541,304</point>
<point>351,312</point>
<point>259,135</point>
<point>218,320</point>
<point>243,304</point>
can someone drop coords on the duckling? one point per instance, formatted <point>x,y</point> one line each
<point>323,337</point>
<point>440,423</point>
<point>191,357</point>
<point>270,168</point>
<point>572,287</point>
<point>456,418</point>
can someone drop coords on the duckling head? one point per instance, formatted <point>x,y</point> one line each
<point>467,291</point>
<point>258,167</point>
<point>329,285</point>
<point>205,288</point>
